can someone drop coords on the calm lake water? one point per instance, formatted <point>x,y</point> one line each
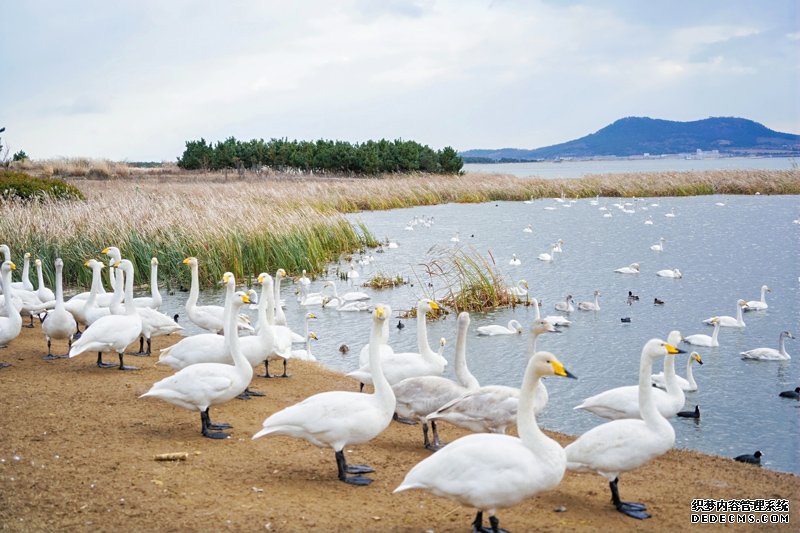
<point>577,169</point>
<point>725,252</point>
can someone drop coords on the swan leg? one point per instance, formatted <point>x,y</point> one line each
<point>141,352</point>
<point>50,356</point>
<point>266,370</point>
<point>632,509</point>
<point>284,375</point>
<point>425,440</point>
<point>345,469</point>
<point>205,422</point>
<point>31,324</point>
<point>218,425</point>
<point>4,365</point>
<point>101,364</point>
<point>402,420</point>
<point>122,366</point>
<point>251,392</point>
<point>437,444</point>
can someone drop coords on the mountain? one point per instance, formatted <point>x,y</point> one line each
<point>636,136</point>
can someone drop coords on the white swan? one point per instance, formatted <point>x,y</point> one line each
<point>44,294</point>
<point>309,299</point>
<point>305,354</point>
<point>113,333</point>
<point>770,354</point>
<point>688,384</point>
<point>350,296</point>
<point>417,397</point>
<point>528,229</point>
<point>198,387</point>
<point>514,261</point>
<point>401,365</point>
<point>114,257</point>
<point>25,284</point>
<point>555,320</point>
<point>208,317</point>
<point>557,246</point>
<point>514,328</point>
<point>338,419</point>
<point>566,305</point>
<point>92,312</point>
<point>154,324</point>
<point>384,348</point>
<point>701,339</point>
<point>591,306</point>
<point>279,317</point>
<point>455,238</point>
<point>623,445</point>
<point>548,257</point>
<point>728,321</point>
<point>758,305</point>
<point>59,324</point>
<point>633,268</point>
<point>649,220</point>
<point>493,408</point>
<point>354,306</point>
<point>520,289</point>
<point>669,273</point>
<point>11,324</point>
<point>623,402</point>
<point>659,246</point>
<point>352,274</point>
<point>154,300</point>
<point>490,472</point>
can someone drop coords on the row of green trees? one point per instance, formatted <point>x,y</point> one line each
<point>371,157</point>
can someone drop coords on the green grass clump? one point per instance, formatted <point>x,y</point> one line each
<point>15,184</point>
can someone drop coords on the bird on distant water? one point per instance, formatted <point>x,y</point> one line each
<point>632,298</point>
<point>792,394</point>
<point>754,459</point>
<point>400,324</point>
<point>690,414</point>
<point>656,301</point>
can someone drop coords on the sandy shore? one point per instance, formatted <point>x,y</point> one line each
<point>77,454</point>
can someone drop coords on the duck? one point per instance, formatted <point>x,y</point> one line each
<point>701,339</point>
<point>623,445</point>
<point>695,413</point>
<point>771,354</point>
<point>623,402</point>
<point>753,459</point>
<point>208,317</point>
<point>490,472</point>
<point>658,301</point>
<point>758,305</point>
<point>670,273</point>
<point>400,365</point>
<point>199,387</point>
<point>337,419</point>
<point>631,298</point>
<point>154,300</point>
<point>687,384</point>
<point>591,306</point>
<point>113,333</point>
<point>493,408</point>
<point>555,320</point>
<point>792,394</point>
<point>514,328</point>
<point>11,323</point>
<point>566,305</point>
<point>514,261</point>
<point>659,246</point>
<point>633,268</point>
<point>419,396</point>
<point>59,324</point>
<point>42,292</point>
<point>729,321</point>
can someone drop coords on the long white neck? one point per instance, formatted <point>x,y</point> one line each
<point>39,276</point>
<point>739,319</point>
<point>535,304</point>
<point>534,336</point>
<point>119,286</point>
<point>714,335</point>
<point>597,301</point>
<point>243,367</point>
<point>194,290</point>
<point>266,306</point>
<point>130,307</point>
<point>112,278</point>
<point>763,295</point>
<point>464,376</point>
<point>26,269</point>
<point>9,307</point>
<point>422,335</point>
<point>527,428</point>
<point>335,291</point>
<point>154,292</point>
<point>280,317</point>
<point>97,283</point>
<point>690,374</point>
<point>383,391</point>
<point>647,406</point>
<point>782,344</point>
<point>59,288</point>
<point>673,389</point>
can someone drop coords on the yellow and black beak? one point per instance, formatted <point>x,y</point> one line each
<point>261,278</point>
<point>559,370</point>
<point>12,266</point>
<point>434,305</point>
<point>696,357</point>
<point>673,350</point>
<point>104,251</point>
<point>186,261</point>
<point>380,312</point>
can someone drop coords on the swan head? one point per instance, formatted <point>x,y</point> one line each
<point>656,348</point>
<point>788,334</point>
<point>381,312</point>
<point>597,293</point>
<point>113,252</point>
<point>191,261</point>
<point>124,265</point>
<point>263,277</point>
<point>8,266</point>
<point>696,356</point>
<point>38,262</point>
<point>547,364</point>
<point>741,303</point>
<point>442,342</point>
<point>227,278</point>
<point>281,273</point>
<point>516,326</point>
<point>154,261</point>
<point>765,288</point>
<point>463,319</point>
<point>27,256</point>
<point>543,326</point>
<point>635,266</point>
<point>679,275</point>
<point>59,263</point>
<point>426,304</point>
<point>94,263</point>
<point>674,337</point>
<point>310,316</point>
<point>240,300</point>
<point>714,320</point>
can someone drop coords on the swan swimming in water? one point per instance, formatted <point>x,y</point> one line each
<point>566,305</point>
<point>514,328</point>
<point>514,261</point>
<point>670,273</point>
<point>521,289</point>
<point>633,268</point>
<point>758,305</point>
<point>547,257</point>
<point>770,354</point>
<point>591,306</point>
<point>688,384</point>
<point>729,321</point>
<point>701,339</point>
<point>555,320</point>
<point>623,445</point>
<point>490,472</point>
<point>528,229</point>
<point>659,246</point>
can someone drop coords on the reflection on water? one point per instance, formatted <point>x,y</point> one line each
<point>725,252</point>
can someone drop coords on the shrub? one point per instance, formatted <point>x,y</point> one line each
<point>23,186</point>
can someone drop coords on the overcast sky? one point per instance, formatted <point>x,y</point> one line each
<point>133,80</point>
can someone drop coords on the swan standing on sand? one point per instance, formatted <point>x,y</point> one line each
<point>759,305</point>
<point>420,396</point>
<point>198,387</point>
<point>113,333</point>
<point>701,339</point>
<point>566,305</point>
<point>555,320</point>
<point>623,445</point>
<point>11,324</point>
<point>623,402</point>
<point>688,384</point>
<point>591,306</point>
<point>490,472</point>
<point>728,321</point>
<point>659,246</point>
<point>514,328</point>
<point>337,418</point>
<point>59,323</point>
<point>770,354</point>
<point>633,268</point>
